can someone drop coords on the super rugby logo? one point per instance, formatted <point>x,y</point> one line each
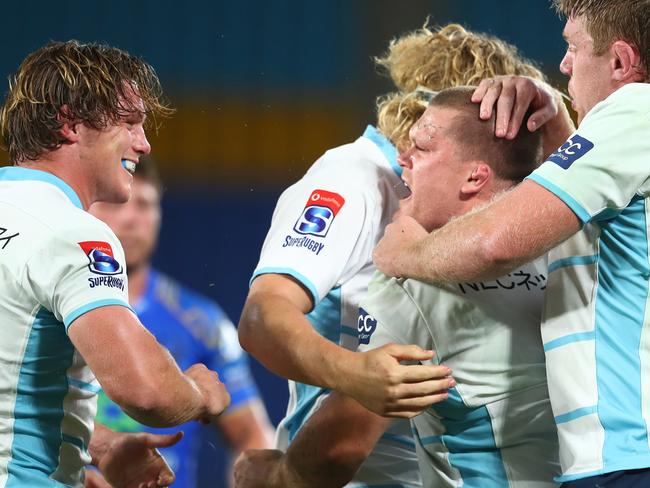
<point>100,255</point>
<point>570,151</point>
<point>366,325</point>
<point>319,212</point>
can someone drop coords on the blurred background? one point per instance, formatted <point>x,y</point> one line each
<point>261,89</point>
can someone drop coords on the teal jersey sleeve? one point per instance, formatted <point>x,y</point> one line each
<point>606,162</point>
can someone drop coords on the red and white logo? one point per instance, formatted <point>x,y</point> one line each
<point>319,212</point>
<point>100,257</point>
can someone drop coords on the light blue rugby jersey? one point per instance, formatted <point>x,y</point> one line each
<point>496,429</point>
<point>57,262</point>
<point>595,329</point>
<point>323,231</point>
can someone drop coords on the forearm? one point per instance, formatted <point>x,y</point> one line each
<point>331,447</point>
<point>280,336</point>
<point>173,398</point>
<point>518,227</point>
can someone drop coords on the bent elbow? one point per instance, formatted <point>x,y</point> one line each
<point>143,401</point>
<point>247,326</point>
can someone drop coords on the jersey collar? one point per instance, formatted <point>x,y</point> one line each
<point>16,173</point>
<point>385,146</point>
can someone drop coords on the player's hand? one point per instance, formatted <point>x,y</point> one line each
<point>266,468</point>
<point>215,395</point>
<point>133,461</point>
<point>385,386</point>
<point>512,96</point>
<point>94,479</point>
<point>393,254</point>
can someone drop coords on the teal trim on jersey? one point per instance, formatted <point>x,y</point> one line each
<point>621,297</point>
<point>38,412</point>
<point>16,173</point>
<point>386,147</point>
<point>399,439</point>
<point>82,385</point>
<point>74,315</point>
<point>351,331</point>
<point>306,397</point>
<point>576,414</point>
<point>572,203</point>
<point>291,272</point>
<point>431,439</point>
<point>572,261</point>
<point>569,339</point>
<point>469,439</point>
<point>326,319</point>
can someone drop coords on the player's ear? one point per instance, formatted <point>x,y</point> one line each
<point>69,126</point>
<point>626,62</point>
<point>479,175</point>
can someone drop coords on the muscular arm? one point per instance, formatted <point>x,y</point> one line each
<point>274,329</point>
<point>141,376</point>
<point>328,450</point>
<point>520,226</point>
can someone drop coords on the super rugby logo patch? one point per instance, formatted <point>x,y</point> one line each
<point>319,212</point>
<point>571,151</point>
<point>100,255</point>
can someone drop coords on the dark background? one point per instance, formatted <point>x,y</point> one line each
<point>261,88</point>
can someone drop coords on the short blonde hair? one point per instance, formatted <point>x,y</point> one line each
<point>435,59</point>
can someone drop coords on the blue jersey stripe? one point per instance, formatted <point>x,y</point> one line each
<point>469,439</point>
<point>306,282</point>
<point>326,319</point>
<point>620,308</point>
<point>569,339</point>
<point>42,387</point>
<point>385,146</point>
<point>349,331</point>
<point>572,261</point>
<point>74,315</point>
<point>82,385</point>
<point>571,202</point>
<point>575,414</point>
<point>399,439</point>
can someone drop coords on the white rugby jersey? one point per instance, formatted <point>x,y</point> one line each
<point>323,231</point>
<point>496,429</point>
<point>595,329</point>
<point>57,262</point>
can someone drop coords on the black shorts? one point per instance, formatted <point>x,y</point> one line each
<point>633,478</point>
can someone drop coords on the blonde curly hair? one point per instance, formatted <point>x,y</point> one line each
<point>431,60</point>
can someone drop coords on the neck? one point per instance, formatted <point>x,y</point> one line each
<point>138,277</point>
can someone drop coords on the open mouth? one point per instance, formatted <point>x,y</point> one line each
<point>128,165</point>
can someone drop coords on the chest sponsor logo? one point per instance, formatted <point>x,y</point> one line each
<point>366,325</point>
<point>520,280</point>
<point>6,236</point>
<point>100,257</point>
<point>571,151</point>
<point>319,213</point>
